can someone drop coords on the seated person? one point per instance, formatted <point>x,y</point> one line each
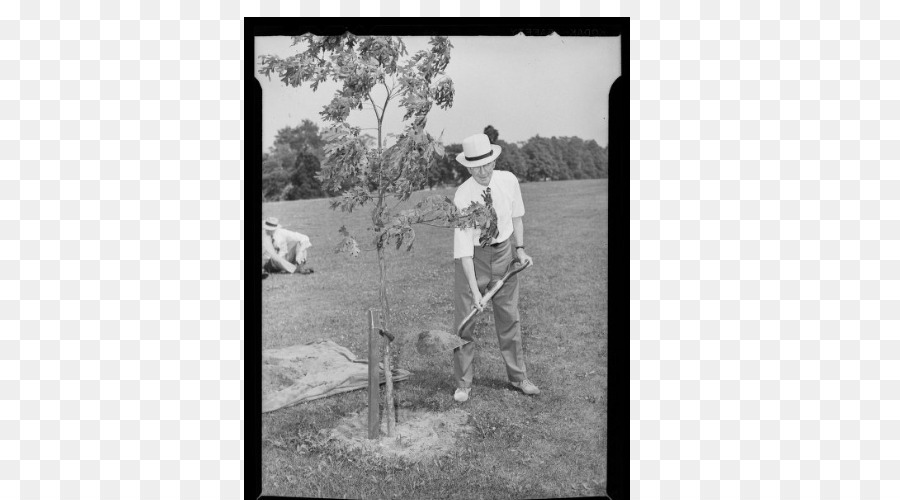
<point>284,251</point>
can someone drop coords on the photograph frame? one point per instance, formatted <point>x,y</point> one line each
<point>618,406</point>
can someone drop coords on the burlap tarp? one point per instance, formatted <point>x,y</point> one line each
<point>311,371</point>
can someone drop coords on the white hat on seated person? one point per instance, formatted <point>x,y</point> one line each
<point>271,223</point>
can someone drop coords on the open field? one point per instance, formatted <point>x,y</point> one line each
<point>552,445</point>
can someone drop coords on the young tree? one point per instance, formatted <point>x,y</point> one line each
<point>373,73</point>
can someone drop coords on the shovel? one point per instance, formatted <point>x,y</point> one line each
<point>436,341</point>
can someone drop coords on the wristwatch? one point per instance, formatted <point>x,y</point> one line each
<point>519,246</point>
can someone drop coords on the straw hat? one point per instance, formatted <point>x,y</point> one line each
<point>271,224</point>
<point>477,151</point>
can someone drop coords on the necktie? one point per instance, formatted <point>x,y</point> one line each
<point>491,231</point>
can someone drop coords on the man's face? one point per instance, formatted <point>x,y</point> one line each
<point>483,173</point>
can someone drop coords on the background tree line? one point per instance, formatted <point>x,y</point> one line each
<point>290,166</point>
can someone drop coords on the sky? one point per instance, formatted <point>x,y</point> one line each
<point>522,86</point>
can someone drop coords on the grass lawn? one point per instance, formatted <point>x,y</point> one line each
<point>551,445</point>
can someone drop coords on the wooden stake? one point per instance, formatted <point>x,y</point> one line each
<point>384,324</point>
<point>374,414</point>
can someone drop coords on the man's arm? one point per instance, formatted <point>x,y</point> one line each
<point>292,237</point>
<point>269,251</point>
<point>469,270</point>
<point>268,247</point>
<point>518,239</point>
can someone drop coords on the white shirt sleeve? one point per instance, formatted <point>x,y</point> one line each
<point>463,242</point>
<point>518,207</point>
<point>292,236</point>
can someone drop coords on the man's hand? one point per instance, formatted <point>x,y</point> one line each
<point>523,257</point>
<point>469,271</point>
<point>478,298</point>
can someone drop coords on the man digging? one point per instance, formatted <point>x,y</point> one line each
<point>481,260</point>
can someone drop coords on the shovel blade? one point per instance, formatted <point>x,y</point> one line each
<point>432,342</point>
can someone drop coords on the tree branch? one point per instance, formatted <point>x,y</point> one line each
<point>430,220</point>
<point>387,99</point>
<point>375,107</point>
<point>433,225</point>
<point>399,174</point>
<point>397,205</point>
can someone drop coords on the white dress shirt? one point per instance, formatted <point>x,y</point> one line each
<point>284,240</point>
<point>507,199</point>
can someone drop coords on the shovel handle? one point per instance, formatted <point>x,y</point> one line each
<point>513,272</point>
<point>486,297</point>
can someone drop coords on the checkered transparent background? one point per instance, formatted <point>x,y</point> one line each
<point>765,251</point>
<point>121,190</point>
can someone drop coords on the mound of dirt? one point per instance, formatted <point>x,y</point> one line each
<point>432,342</point>
<point>418,434</point>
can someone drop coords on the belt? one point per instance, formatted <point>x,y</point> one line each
<point>494,245</point>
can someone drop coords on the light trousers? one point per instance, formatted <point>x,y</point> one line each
<point>284,264</point>
<point>491,263</point>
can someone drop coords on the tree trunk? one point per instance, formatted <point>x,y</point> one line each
<point>389,409</point>
<point>388,379</point>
